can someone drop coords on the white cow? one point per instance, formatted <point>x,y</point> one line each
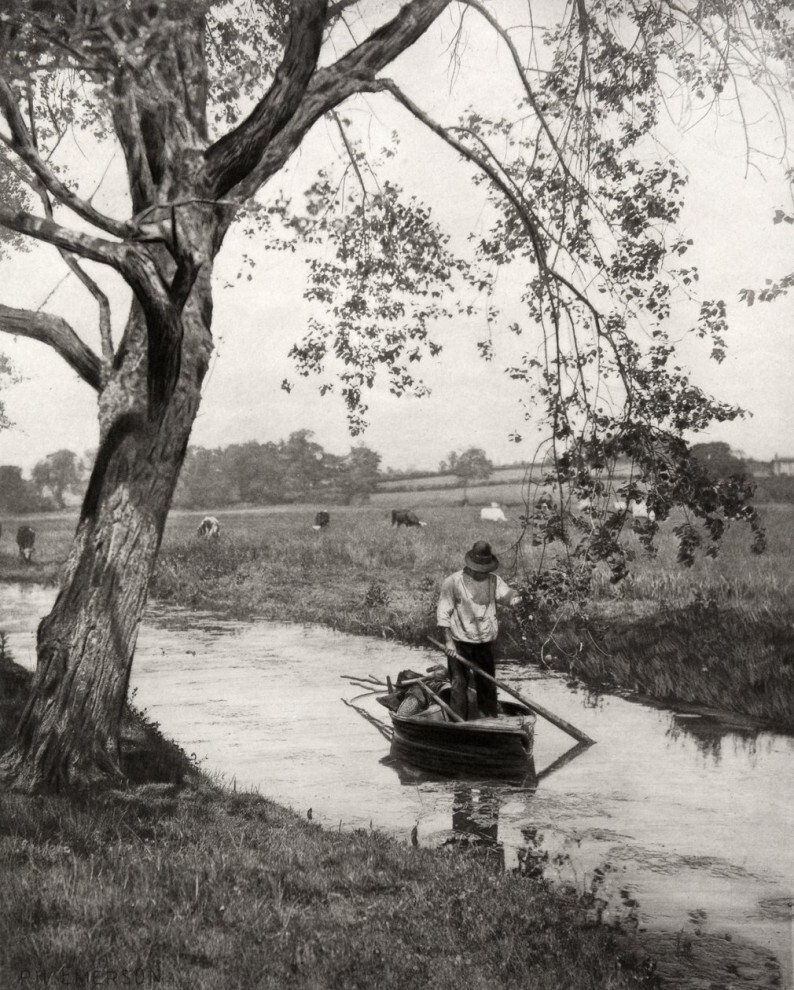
<point>493,513</point>
<point>209,526</point>
<point>638,510</point>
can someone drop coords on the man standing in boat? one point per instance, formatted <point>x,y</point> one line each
<point>467,616</point>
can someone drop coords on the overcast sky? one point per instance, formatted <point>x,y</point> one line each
<point>729,215</point>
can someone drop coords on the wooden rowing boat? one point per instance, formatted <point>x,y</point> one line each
<point>491,747</point>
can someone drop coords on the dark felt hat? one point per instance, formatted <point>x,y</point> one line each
<point>480,558</point>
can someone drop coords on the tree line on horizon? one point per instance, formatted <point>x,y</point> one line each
<point>297,469</point>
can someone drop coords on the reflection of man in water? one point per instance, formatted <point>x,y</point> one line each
<point>475,822</point>
<point>467,615</point>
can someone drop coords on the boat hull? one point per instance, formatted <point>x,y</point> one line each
<point>483,747</point>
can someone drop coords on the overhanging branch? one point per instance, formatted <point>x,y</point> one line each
<point>22,144</point>
<point>355,72</point>
<point>133,262</point>
<point>230,159</point>
<point>58,334</point>
<point>525,215</point>
<point>85,279</point>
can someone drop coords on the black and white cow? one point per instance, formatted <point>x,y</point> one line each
<point>404,517</point>
<point>321,520</point>
<point>209,527</point>
<point>26,539</point>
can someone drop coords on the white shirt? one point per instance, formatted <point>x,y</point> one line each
<point>466,619</point>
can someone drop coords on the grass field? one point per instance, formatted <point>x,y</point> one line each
<point>720,633</point>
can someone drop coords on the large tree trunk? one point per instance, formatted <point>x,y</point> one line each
<point>69,733</point>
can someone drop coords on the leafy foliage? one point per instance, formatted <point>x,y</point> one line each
<point>385,280</point>
<point>718,460</point>
<point>17,495</point>
<point>58,473</point>
<point>297,469</point>
<point>471,465</point>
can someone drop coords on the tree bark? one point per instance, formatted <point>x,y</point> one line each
<point>69,732</point>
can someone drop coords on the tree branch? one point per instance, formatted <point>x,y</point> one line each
<point>59,335</point>
<point>523,211</point>
<point>85,245</point>
<point>74,266</point>
<point>230,159</point>
<point>355,72</point>
<point>127,124</point>
<point>531,98</point>
<point>105,333</point>
<point>133,262</point>
<point>23,145</point>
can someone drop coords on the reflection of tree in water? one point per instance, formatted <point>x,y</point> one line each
<point>709,734</point>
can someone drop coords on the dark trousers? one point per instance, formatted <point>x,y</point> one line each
<point>480,654</point>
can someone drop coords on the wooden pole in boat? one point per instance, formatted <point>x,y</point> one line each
<point>444,706</point>
<point>531,705</point>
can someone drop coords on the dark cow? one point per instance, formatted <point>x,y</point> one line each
<point>209,526</point>
<point>404,517</point>
<point>26,538</point>
<point>321,520</point>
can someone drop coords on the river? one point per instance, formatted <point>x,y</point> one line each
<point>678,822</point>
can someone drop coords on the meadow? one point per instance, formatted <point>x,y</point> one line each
<point>719,634</point>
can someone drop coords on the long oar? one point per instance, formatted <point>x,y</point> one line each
<point>532,705</point>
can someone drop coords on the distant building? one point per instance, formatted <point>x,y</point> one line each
<point>783,466</point>
<point>778,467</point>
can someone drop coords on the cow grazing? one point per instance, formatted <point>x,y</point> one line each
<point>493,513</point>
<point>637,510</point>
<point>209,527</point>
<point>321,520</point>
<point>26,538</point>
<point>404,517</point>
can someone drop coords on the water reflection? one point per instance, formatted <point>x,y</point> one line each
<point>476,806</point>
<point>475,823</point>
<point>709,734</point>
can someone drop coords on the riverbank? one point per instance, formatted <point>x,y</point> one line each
<point>176,881</point>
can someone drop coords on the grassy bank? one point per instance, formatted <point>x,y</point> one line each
<point>177,882</point>
<point>719,634</point>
